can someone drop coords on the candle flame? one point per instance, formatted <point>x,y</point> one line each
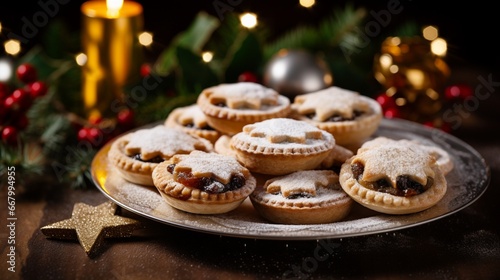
<point>113,7</point>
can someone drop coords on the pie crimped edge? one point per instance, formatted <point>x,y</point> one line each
<point>347,132</point>
<point>388,203</point>
<point>197,201</point>
<point>260,156</point>
<point>327,206</point>
<point>231,121</point>
<point>174,120</point>
<point>136,171</point>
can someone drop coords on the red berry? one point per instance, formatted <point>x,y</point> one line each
<point>459,91</point>
<point>145,70</point>
<point>248,77</point>
<point>26,73</point>
<point>125,117</point>
<point>391,113</point>
<point>94,134</point>
<point>38,89</point>
<point>91,135</point>
<point>9,135</point>
<point>82,134</point>
<point>23,98</point>
<point>10,104</point>
<point>385,101</point>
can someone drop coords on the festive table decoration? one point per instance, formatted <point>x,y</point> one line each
<point>413,76</point>
<point>294,72</point>
<point>208,52</point>
<point>91,225</point>
<point>110,31</point>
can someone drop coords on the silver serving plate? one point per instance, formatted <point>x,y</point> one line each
<point>466,183</point>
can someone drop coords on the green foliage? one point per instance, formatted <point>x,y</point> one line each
<point>179,75</point>
<point>194,38</point>
<point>330,33</point>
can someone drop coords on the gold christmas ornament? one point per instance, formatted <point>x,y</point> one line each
<point>90,225</point>
<point>413,74</point>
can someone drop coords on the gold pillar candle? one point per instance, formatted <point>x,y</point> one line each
<point>110,41</point>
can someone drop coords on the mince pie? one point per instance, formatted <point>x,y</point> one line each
<point>346,114</point>
<point>281,145</point>
<point>229,107</point>
<point>302,197</point>
<point>203,183</point>
<point>136,154</point>
<point>443,158</point>
<point>192,120</point>
<point>394,178</point>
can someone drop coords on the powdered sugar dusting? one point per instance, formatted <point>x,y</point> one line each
<point>277,132</point>
<point>330,101</point>
<point>161,141</point>
<point>192,115</point>
<point>466,182</point>
<point>394,159</point>
<point>243,95</point>
<point>300,182</point>
<point>203,164</point>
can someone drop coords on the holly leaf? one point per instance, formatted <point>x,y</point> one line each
<point>193,39</point>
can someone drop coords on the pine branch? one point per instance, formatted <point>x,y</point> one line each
<point>340,26</point>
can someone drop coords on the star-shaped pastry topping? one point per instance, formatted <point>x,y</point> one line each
<point>281,130</point>
<point>202,164</point>
<point>328,102</point>
<point>90,225</point>
<point>244,96</point>
<point>193,115</point>
<point>395,159</point>
<point>301,182</point>
<point>162,141</point>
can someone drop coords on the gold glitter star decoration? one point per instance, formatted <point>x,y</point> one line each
<point>90,225</point>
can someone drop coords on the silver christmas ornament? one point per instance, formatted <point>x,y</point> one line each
<point>295,72</point>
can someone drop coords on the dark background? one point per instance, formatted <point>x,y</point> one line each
<point>471,29</point>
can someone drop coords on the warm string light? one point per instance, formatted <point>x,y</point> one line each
<point>439,46</point>
<point>146,39</point>
<point>6,70</point>
<point>12,47</point>
<point>307,3</point>
<point>81,59</point>
<point>248,20</point>
<point>207,56</point>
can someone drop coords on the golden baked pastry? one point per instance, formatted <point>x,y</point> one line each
<point>203,183</point>
<point>282,145</point>
<point>443,158</point>
<point>223,146</point>
<point>336,158</point>
<point>192,120</point>
<point>393,178</point>
<point>136,154</point>
<point>229,107</point>
<point>302,197</point>
<point>349,116</point>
